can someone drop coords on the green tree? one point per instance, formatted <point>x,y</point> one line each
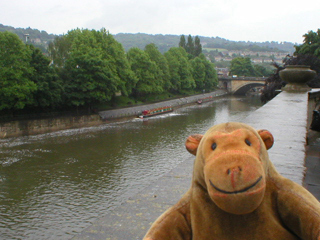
<point>182,42</point>
<point>93,66</point>
<point>49,87</point>
<point>261,71</point>
<point>16,88</point>
<point>204,73</point>
<point>308,54</point>
<point>193,48</point>
<point>173,63</point>
<point>197,47</point>
<point>211,76</point>
<point>59,50</point>
<point>180,70</point>
<point>145,71</point>
<point>198,72</point>
<point>242,66</point>
<point>90,75</point>
<point>311,44</point>
<point>190,46</point>
<point>162,74</point>
<point>114,52</point>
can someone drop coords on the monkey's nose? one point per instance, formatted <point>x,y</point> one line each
<point>234,170</point>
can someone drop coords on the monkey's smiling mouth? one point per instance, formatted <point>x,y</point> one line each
<point>238,191</point>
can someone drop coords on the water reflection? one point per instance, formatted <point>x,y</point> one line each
<point>54,185</point>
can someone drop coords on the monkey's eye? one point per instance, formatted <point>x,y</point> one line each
<point>248,142</point>
<point>213,146</point>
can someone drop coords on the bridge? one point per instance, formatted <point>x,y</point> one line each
<point>240,85</point>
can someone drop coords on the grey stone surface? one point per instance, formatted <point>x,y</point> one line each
<point>286,117</point>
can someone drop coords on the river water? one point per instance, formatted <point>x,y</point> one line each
<point>54,185</point>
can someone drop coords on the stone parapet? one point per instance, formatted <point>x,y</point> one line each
<point>286,117</point>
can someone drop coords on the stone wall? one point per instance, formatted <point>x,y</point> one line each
<point>31,127</point>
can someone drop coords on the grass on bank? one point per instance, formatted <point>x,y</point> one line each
<point>125,101</point>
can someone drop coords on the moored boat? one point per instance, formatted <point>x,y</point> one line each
<point>155,111</point>
<point>206,99</point>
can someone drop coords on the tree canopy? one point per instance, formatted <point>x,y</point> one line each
<point>49,85</point>
<point>180,69</point>
<point>242,66</point>
<point>16,87</point>
<point>94,66</point>
<point>162,75</point>
<point>307,53</point>
<point>192,47</point>
<point>311,44</point>
<point>145,71</point>
<point>203,72</point>
<point>89,67</point>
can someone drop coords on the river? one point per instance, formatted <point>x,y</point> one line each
<point>54,185</point>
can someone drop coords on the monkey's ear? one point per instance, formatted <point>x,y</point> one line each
<point>267,138</point>
<point>192,143</point>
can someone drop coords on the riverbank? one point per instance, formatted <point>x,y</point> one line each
<point>39,126</point>
<point>286,116</point>
<point>175,103</point>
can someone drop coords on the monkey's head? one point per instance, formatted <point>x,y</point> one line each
<point>232,164</point>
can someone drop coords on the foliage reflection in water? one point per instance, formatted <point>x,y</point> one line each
<point>54,185</point>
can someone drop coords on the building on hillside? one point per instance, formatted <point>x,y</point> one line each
<point>256,57</point>
<point>36,40</point>
<point>222,72</point>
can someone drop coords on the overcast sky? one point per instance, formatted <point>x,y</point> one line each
<point>238,20</point>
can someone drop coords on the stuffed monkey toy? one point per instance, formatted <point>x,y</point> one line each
<point>236,193</point>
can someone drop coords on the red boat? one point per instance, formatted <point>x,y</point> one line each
<point>206,99</point>
<point>155,111</point>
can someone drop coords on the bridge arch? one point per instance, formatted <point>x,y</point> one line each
<point>242,90</point>
<point>240,85</point>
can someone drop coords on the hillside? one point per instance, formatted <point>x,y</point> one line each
<point>163,42</point>
<point>38,38</point>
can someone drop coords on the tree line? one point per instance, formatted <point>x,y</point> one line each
<point>86,67</point>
